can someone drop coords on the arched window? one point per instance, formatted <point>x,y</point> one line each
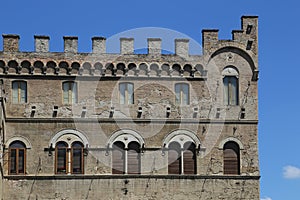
<point>182,94</point>
<point>17,158</point>
<point>69,92</point>
<point>189,158</point>
<point>231,86</point>
<point>182,161</point>
<point>19,92</point>
<point>133,158</point>
<point>66,155</point>
<point>77,158</point>
<point>126,161</point>
<point>118,158</point>
<point>231,155</point>
<point>174,158</point>
<point>126,93</point>
<point>61,151</point>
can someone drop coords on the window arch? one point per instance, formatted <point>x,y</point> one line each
<point>182,94</point>
<point>17,158</point>
<point>174,158</point>
<point>61,158</point>
<point>231,156</point>
<point>77,158</point>
<point>181,146</point>
<point>70,94</point>
<point>126,152</point>
<point>19,92</point>
<point>182,160</point>
<point>230,86</point>
<point>69,151</point>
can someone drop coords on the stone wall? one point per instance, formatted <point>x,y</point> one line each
<point>153,118</point>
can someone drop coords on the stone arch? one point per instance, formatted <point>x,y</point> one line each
<point>86,68</point>
<point>240,52</point>
<point>19,138</point>
<point>63,67</point>
<point>231,139</point>
<point>120,69</point>
<point>2,66</point>
<point>181,136</point>
<point>109,69</point>
<point>98,68</point>
<point>154,70</point>
<point>75,67</point>
<point>126,136</point>
<point>51,67</point>
<point>12,66</point>
<point>58,136</point>
<point>143,69</point>
<point>187,70</point>
<point>131,69</point>
<point>26,67</point>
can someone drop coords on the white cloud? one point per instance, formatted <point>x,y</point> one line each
<point>291,172</point>
<point>266,198</point>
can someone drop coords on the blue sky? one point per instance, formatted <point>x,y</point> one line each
<point>279,30</point>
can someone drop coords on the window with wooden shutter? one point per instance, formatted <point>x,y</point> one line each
<point>118,158</point>
<point>17,158</point>
<point>133,158</point>
<point>77,158</point>
<point>61,158</point>
<point>231,155</point>
<point>189,159</point>
<point>174,158</point>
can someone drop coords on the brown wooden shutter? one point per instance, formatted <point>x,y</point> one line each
<point>77,158</point>
<point>174,158</point>
<point>133,158</point>
<point>231,159</point>
<point>118,157</point>
<point>189,162</point>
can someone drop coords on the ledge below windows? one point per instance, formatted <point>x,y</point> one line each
<point>119,120</point>
<point>80,176</point>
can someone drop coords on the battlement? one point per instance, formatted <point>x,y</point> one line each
<point>100,63</point>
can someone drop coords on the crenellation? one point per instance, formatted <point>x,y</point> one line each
<point>210,38</point>
<point>70,44</point>
<point>154,46</point>
<point>182,47</point>
<point>127,45</point>
<point>99,45</point>
<point>10,42</point>
<point>41,43</point>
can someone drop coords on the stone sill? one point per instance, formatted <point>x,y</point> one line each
<point>192,177</point>
<point>120,120</point>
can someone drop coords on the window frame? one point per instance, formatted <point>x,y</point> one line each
<point>72,85</point>
<point>233,146</point>
<point>125,151</point>
<point>17,151</point>
<point>19,83</point>
<point>126,95</point>
<point>69,157</point>
<point>190,146</point>
<point>231,86</point>
<point>180,100</point>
